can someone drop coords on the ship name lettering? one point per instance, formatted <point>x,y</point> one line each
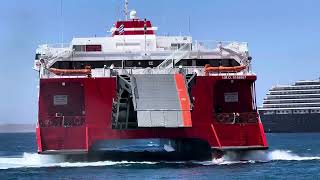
<point>233,77</point>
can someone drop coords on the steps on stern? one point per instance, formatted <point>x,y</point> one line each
<point>162,100</point>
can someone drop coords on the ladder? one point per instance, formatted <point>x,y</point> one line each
<point>175,57</point>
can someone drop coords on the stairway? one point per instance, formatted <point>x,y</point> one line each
<point>123,115</point>
<point>152,100</point>
<point>161,102</point>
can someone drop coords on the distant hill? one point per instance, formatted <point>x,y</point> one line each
<point>17,128</point>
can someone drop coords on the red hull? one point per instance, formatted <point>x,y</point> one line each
<point>90,116</point>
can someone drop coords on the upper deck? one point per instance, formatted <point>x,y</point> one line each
<point>134,47</point>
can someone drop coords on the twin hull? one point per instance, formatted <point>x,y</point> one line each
<point>76,113</point>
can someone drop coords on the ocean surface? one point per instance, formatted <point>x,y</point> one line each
<point>291,156</point>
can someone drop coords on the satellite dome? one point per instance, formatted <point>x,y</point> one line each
<point>133,14</point>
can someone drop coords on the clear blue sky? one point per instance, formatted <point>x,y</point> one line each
<point>283,36</point>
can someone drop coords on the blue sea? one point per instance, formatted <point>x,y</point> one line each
<point>291,156</point>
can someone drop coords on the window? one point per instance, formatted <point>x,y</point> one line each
<point>180,45</point>
<point>93,48</point>
<point>88,48</point>
<point>79,48</point>
<point>37,56</point>
<point>175,46</point>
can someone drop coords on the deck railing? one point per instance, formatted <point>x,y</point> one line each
<point>236,118</point>
<point>107,72</point>
<point>62,121</point>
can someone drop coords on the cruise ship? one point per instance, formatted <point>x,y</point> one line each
<point>292,108</point>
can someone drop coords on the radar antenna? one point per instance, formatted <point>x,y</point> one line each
<point>126,10</point>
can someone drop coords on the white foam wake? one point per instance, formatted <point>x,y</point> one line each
<point>33,160</point>
<point>258,156</point>
<point>289,156</point>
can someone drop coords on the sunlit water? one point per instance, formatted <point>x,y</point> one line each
<point>290,156</point>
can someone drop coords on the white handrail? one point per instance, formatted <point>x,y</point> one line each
<point>168,62</point>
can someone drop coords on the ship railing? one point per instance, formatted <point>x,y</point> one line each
<point>59,45</point>
<point>184,70</point>
<point>238,50</point>
<point>107,72</point>
<point>234,48</point>
<point>53,52</point>
<point>199,70</point>
<point>176,56</point>
<point>209,45</point>
<point>62,121</point>
<point>196,45</point>
<point>217,73</point>
<point>237,118</point>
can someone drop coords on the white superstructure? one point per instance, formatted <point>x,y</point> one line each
<point>134,47</point>
<point>302,97</point>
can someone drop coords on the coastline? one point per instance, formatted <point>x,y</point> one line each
<point>17,128</point>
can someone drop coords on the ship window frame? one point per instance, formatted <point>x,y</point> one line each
<point>93,47</point>
<point>37,57</point>
<point>87,48</point>
<point>79,48</point>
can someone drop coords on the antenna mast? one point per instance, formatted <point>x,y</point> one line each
<point>189,25</point>
<point>126,11</point>
<point>62,24</point>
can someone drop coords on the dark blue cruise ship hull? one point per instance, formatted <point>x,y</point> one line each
<point>291,123</point>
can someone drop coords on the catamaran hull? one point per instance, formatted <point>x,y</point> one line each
<point>88,103</point>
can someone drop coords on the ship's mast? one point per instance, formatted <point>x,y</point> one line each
<point>126,10</point>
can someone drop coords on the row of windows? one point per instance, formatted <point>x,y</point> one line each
<point>102,64</point>
<point>296,87</point>
<point>294,97</point>
<point>212,62</point>
<point>295,92</point>
<point>292,101</point>
<point>290,105</point>
<point>315,110</point>
<point>87,48</point>
<point>308,83</point>
<point>138,63</point>
<point>98,47</point>
<point>298,111</point>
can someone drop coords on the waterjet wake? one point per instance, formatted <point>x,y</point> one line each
<point>34,160</point>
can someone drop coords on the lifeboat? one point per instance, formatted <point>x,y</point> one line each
<point>62,72</point>
<point>208,69</point>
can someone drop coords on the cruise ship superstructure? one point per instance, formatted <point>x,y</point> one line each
<point>292,108</point>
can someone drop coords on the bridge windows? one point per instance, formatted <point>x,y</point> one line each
<point>212,62</point>
<point>93,48</point>
<point>87,48</point>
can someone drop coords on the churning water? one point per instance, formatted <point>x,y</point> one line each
<point>290,156</point>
